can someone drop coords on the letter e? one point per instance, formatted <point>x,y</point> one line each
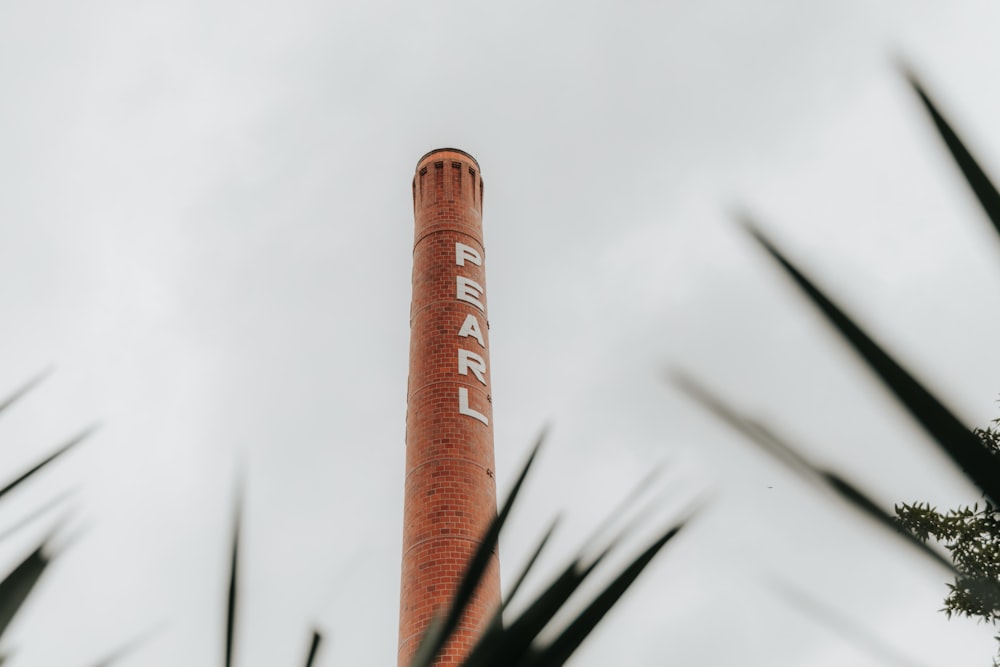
<point>469,290</point>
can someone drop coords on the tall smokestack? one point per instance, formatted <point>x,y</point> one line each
<point>450,487</point>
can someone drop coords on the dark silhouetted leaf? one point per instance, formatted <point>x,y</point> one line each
<point>313,648</point>
<point>495,624</point>
<point>530,564</point>
<point>17,585</point>
<point>24,389</point>
<point>46,461</point>
<point>125,649</point>
<point>559,651</point>
<point>777,447</point>
<point>501,646</point>
<point>856,633</point>
<point>34,515</point>
<point>507,646</point>
<point>233,577</point>
<point>438,632</point>
<point>961,444</point>
<point>974,175</point>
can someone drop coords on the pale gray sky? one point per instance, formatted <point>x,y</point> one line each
<point>206,228</point>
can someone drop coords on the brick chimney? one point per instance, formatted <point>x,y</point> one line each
<point>450,487</point>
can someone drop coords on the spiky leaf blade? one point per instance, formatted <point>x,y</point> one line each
<point>232,597</point>
<point>560,650</point>
<point>772,444</point>
<point>18,585</point>
<point>34,514</point>
<point>23,477</point>
<point>531,562</point>
<point>853,631</point>
<point>438,632</point>
<point>974,174</point>
<point>313,648</point>
<point>124,650</point>
<point>20,392</point>
<point>963,446</point>
<point>510,645</point>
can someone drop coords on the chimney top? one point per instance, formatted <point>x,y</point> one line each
<point>447,150</point>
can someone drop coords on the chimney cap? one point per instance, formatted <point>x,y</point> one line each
<point>448,150</point>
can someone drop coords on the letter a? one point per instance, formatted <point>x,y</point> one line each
<point>470,327</point>
<point>464,409</point>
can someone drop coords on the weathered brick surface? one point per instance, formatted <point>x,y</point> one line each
<point>450,489</point>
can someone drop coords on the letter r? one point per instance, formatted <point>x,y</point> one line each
<point>470,361</point>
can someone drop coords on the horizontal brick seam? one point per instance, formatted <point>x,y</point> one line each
<point>447,229</point>
<point>474,540</point>
<point>417,635</point>
<point>461,379</point>
<point>445,458</point>
<point>473,310</point>
<point>404,642</point>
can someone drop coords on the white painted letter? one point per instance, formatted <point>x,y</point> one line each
<point>464,252</point>
<point>469,290</point>
<point>470,327</point>
<point>470,361</point>
<point>464,409</point>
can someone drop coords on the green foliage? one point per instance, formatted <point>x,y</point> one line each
<point>971,534</point>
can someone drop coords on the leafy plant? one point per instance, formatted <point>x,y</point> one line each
<point>18,585</point>
<point>517,643</point>
<point>501,644</point>
<point>971,534</point>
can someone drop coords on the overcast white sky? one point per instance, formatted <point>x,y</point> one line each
<point>206,227</point>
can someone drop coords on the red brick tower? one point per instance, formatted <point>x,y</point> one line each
<point>450,487</point>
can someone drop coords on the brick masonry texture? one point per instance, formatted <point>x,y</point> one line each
<point>450,494</point>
